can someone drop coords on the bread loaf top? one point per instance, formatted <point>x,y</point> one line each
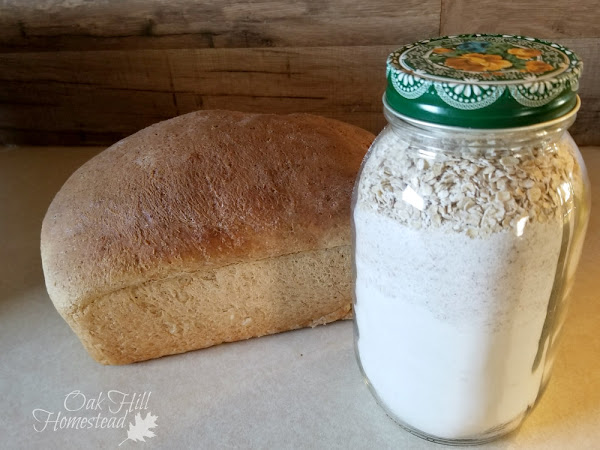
<point>202,190</point>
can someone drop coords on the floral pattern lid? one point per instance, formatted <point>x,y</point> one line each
<point>483,81</point>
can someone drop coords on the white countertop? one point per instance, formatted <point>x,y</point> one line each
<point>300,389</point>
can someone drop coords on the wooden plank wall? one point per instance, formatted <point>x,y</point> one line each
<point>76,72</point>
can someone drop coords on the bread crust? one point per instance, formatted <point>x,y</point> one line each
<point>195,193</point>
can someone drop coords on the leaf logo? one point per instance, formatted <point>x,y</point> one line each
<point>141,428</point>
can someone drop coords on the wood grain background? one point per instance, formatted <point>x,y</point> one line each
<point>77,72</point>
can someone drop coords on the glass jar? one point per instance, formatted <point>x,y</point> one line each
<point>466,239</point>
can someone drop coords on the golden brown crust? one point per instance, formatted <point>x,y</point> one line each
<point>195,193</point>
<point>200,190</point>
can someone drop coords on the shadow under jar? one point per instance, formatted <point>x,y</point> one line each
<point>469,214</point>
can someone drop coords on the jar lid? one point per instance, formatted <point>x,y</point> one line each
<point>483,81</point>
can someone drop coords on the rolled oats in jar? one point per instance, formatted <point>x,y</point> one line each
<point>469,214</point>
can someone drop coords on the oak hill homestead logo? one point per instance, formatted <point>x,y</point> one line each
<point>105,411</point>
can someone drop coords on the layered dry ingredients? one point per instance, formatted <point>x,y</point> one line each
<point>456,256</point>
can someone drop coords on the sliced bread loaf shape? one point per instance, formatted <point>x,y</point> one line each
<point>211,227</point>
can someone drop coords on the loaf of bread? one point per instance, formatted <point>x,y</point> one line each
<point>211,227</point>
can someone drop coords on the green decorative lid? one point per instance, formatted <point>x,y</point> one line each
<point>483,81</point>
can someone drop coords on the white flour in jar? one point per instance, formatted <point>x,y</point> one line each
<point>455,261</point>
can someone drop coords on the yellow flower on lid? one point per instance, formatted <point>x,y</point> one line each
<point>538,66</point>
<point>477,62</point>
<point>524,53</point>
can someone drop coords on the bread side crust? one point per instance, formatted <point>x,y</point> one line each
<point>197,310</point>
